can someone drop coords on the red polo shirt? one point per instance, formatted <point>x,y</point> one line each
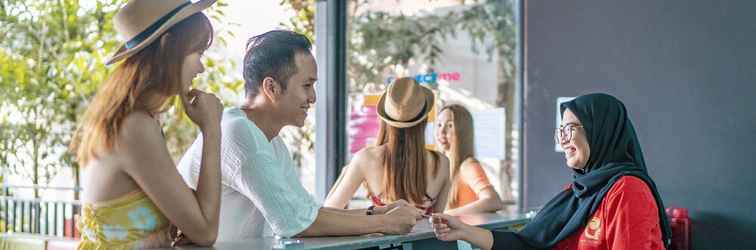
<point>627,219</point>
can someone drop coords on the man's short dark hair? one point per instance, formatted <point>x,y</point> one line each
<point>271,54</point>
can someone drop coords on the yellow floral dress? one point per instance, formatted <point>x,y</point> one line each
<point>121,223</point>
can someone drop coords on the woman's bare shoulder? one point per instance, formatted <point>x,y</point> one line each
<point>371,152</point>
<point>369,156</point>
<point>140,138</point>
<point>470,163</point>
<point>139,123</point>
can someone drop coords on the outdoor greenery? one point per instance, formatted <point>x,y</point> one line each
<point>52,57</point>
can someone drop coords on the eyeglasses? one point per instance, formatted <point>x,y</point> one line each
<point>565,133</point>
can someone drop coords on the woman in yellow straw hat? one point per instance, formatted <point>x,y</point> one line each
<point>132,190</point>
<point>398,167</point>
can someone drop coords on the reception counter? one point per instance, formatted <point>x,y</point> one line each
<point>421,237</point>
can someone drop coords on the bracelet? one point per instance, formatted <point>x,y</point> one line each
<point>370,210</point>
<point>179,236</point>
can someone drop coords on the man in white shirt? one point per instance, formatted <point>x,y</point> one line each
<point>261,192</point>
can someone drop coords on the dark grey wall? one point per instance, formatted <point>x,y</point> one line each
<point>685,69</point>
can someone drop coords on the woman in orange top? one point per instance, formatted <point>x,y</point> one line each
<point>471,192</point>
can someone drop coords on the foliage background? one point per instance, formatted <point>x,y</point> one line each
<point>52,57</point>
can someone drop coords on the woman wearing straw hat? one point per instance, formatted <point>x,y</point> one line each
<point>398,167</point>
<point>132,190</point>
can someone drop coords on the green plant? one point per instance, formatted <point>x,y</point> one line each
<point>52,57</point>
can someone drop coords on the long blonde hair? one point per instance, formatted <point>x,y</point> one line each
<point>462,147</point>
<point>153,71</point>
<point>404,162</point>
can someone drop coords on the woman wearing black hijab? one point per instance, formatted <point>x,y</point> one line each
<point>611,203</point>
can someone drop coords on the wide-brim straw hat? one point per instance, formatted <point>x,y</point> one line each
<point>405,103</point>
<point>142,21</point>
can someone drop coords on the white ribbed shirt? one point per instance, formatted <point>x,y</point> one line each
<point>261,187</point>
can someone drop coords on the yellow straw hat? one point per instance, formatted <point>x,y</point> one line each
<point>142,21</point>
<point>405,103</point>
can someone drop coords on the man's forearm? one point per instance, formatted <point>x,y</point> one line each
<point>340,222</point>
<point>356,211</point>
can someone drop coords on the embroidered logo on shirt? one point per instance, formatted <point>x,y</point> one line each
<point>593,229</point>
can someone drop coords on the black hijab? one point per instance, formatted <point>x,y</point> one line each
<point>615,152</point>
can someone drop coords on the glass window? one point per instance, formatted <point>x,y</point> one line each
<point>465,51</point>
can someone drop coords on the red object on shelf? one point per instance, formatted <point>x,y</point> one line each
<point>680,224</point>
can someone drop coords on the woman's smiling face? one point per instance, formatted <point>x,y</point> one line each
<point>571,137</point>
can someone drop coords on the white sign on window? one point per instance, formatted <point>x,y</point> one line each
<point>489,133</point>
<point>488,127</point>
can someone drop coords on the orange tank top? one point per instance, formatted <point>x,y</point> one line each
<point>470,181</point>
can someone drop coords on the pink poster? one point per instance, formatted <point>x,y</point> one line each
<point>363,124</point>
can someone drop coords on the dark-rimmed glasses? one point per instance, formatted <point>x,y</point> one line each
<point>565,133</point>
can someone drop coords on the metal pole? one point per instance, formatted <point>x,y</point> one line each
<point>13,215</point>
<point>330,112</point>
<point>24,220</point>
<point>55,218</point>
<point>520,100</point>
<point>73,214</point>
<point>37,216</point>
<point>5,212</point>
<point>47,218</point>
